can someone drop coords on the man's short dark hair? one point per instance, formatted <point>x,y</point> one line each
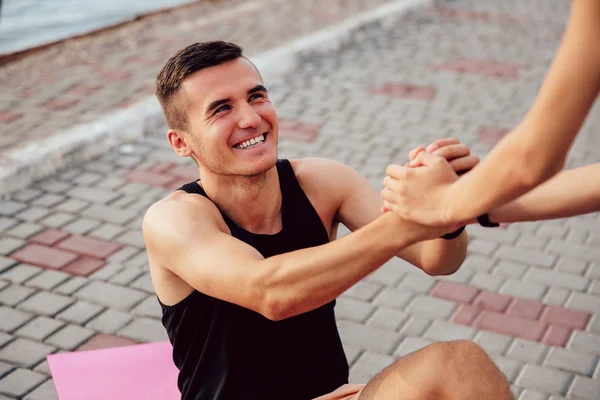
<point>183,64</point>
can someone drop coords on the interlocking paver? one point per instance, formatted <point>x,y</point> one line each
<point>14,294</point>
<point>557,279</point>
<point>346,308</point>
<point>145,330</point>
<point>47,280</point>
<point>510,269</point>
<point>5,338</point>
<point>46,391</point>
<point>109,295</point>
<point>20,273</point>
<point>20,381</point>
<point>528,394</point>
<point>11,319</point>
<point>9,244</point>
<point>125,276</point>
<point>430,307</point>
<point>110,321</point>
<point>528,290</point>
<point>440,331</point>
<point>396,298</point>
<point>374,339</point>
<point>24,352</point>
<point>39,328</point>
<point>510,368</point>
<point>547,380</point>
<point>571,361</point>
<point>80,312</point>
<point>534,257</point>
<point>70,337</point>
<point>585,342</point>
<point>45,303</point>
<point>387,318</point>
<point>368,365</point>
<point>584,388</point>
<point>71,285</point>
<point>144,282</point>
<point>81,226</point>
<point>585,302</point>
<point>24,230</point>
<point>527,351</point>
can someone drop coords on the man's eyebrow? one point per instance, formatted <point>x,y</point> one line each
<point>216,104</point>
<point>258,88</point>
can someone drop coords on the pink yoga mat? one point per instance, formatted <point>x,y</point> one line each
<point>140,372</point>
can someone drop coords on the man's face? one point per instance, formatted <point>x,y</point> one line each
<point>232,124</point>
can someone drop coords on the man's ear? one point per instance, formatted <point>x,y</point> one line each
<point>178,142</point>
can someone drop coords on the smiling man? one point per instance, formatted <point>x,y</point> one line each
<point>245,261</point>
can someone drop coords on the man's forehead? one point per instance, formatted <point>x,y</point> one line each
<point>225,79</point>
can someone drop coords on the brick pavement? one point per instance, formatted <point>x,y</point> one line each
<point>73,272</point>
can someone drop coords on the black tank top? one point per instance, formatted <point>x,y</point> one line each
<point>224,351</point>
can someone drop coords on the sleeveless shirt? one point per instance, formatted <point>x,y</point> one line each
<point>224,351</point>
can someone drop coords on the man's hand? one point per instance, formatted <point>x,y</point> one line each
<point>418,194</point>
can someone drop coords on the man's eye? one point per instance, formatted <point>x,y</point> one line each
<point>222,108</point>
<point>256,96</point>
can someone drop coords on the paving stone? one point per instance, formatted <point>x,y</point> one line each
<point>39,328</point>
<point>387,318</point>
<point>122,255</point>
<point>109,214</point>
<point>493,343</point>
<point>595,287</point>
<point>455,292</point>
<point>125,277</point>
<point>556,296</point>
<point>24,230</point>
<point>106,272</point>
<point>479,263</point>
<point>509,325</point>
<point>25,195</point>
<point>107,231</point>
<point>373,339</point>
<point>139,262</point>
<point>72,206</point>
<point>532,395</point>
<point>110,321</point>
<point>44,303</point>
<point>352,354</point>
<point>417,283</point>
<point>346,308</point>
<point>585,342</point>
<point>48,200</point>
<point>510,368</point>
<point>368,365</point>
<point>144,283</point>
<point>20,273</point>
<point>7,223</point>
<point>529,257</point>
<point>11,319</point>
<point>510,269</point>
<point>584,388</point>
<point>526,308</point>
<point>543,379</point>
<point>6,263</point>
<point>5,338</point>
<point>9,245</point>
<point>445,331</point>
<point>486,281</point>
<point>8,208</point>
<point>80,312</point>
<point>431,307</point>
<point>47,280</point>
<point>493,235</point>
<point>565,317</point>
<point>70,286</point>
<point>4,284</point>
<point>594,325</point>
<point>93,195</point>
<point>528,241</point>
<point>87,246</point>
<point>390,273</point>
<point>44,256</point>
<point>574,250</point>
<point>24,352</point>
<point>151,330</point>
<point>554,231</point>
<point>57,219</point>
<point>393,298</point>
<point>482,247</point>
<point>571,265</point>
<point>463,275</point>
<point>46,391</point>
<point>528,290</point>
<point>415,326</point>
<point>109,295</point>
<point>571,361</point>
<point>5,368</point>
<point>20,381</point>
<point>527,351</point>
<point>557,279</point>
<point>585,302</point>
<point>14,294</point>
<point>81,226</point>
<point>44,367</point>
<point>70,337</point>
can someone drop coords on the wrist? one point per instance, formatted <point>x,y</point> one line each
<point>397,231</point>
<point>450,213</point>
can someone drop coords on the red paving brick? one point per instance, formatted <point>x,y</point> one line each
<point>299,131</point>
<point>465,314</point>
<point>49,237</point>
<point>565,317</point>
<point>43,256</point>
<point>84,266</point>
<point>403,90</point>
<point>103,341</point>
<point>492,301</point>
<point>510,325</point>
<point>454,291</point>
<point>60,104</point>
<point>525,308</point>
<point>557,336</point>
<point>148,178</point>
<point>492,136</point>
<point>8,117</point>
<point>87,246</point>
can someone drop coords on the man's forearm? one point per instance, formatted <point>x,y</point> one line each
<point>537,148</point>
<point>570,193</point>
<point>303,280</point>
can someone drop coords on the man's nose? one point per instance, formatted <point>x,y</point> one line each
<point>249,118</point>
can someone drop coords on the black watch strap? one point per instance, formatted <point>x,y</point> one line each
<point>484,220</point>
<point>454,235</point>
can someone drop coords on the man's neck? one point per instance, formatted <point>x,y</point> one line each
<point>252,202</point>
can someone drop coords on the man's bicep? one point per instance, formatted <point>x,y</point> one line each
<point>193,247</point>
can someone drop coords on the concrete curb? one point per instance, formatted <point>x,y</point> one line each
<point>86,141</point>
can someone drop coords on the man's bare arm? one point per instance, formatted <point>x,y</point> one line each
<point>537,148</point>
<point>187,238</point>
<point>569,193</point>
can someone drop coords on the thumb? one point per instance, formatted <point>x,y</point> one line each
<point>424,158</point>
<point>415,152</point>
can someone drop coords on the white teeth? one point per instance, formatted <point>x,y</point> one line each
<point>251,142</point>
